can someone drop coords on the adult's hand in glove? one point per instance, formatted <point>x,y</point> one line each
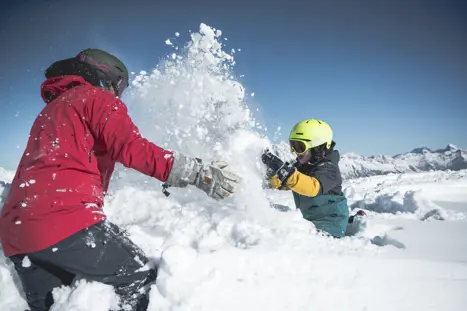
<point>215,181</point>
<point>211,178</point>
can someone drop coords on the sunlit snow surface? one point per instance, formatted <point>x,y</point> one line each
<point>254,251</point>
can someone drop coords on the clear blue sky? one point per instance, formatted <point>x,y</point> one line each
<point>387,75</point>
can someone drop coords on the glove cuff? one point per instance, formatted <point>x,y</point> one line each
<point>185,171</point>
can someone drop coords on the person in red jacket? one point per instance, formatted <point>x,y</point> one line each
<point>52,224</point>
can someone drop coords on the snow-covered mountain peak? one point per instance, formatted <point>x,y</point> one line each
<point>421,150</point>
<point>419,159</point>
<point>449,148</point>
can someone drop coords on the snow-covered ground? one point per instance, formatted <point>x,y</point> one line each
<point>409,254</point>
<point>254,251</point>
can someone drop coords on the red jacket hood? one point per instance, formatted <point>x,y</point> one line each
<point>56,86</point>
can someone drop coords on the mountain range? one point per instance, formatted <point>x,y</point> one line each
<point>419,159</point>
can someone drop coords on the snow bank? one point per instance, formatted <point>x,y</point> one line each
<point>410,203</point>
<point>410,195</point>
<point>84,295</point>
<point>11,297</point>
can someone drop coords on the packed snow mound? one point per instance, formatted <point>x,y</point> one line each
<point>411,195</point>
<point>84,295</point>
<point>420,159</point>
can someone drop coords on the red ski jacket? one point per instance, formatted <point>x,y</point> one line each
<point>74,143</point>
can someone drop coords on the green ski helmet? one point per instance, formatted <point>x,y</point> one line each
<point>310,133</point>
<point>112,71</point>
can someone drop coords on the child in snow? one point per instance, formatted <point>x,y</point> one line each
<point>53,218</point>
<point>315,178</point>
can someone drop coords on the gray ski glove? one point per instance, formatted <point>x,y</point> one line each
<point>215,181</point>
<point>212,179</point>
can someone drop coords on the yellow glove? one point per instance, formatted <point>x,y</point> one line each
<point>276,183</point>
<point>298,182</point>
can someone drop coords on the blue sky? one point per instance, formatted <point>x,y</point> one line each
<point>387,75</point>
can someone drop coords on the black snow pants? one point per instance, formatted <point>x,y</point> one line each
<point>101,253</point>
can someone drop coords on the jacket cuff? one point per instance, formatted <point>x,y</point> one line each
<point>184,171</point>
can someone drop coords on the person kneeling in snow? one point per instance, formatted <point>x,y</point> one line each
<point>52,224</point>
<point>315,177</point>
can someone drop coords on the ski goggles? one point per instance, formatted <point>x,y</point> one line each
<point>299,146</point>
